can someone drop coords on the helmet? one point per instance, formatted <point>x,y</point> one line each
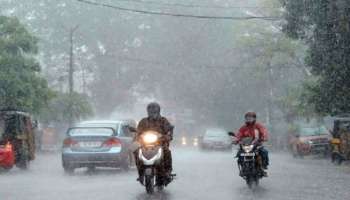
<point>153,110</point>
<point>250,117</point>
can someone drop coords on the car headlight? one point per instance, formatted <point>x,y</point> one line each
<point>149,137</point>
<point>195,141</point>
<point>248,148</point>
<point>183,141</point>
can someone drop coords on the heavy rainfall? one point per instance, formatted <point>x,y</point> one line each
<point>174,99</point>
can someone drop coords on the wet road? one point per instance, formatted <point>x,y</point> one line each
<point>201,175</point>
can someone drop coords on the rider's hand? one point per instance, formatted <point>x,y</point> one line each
<point>258,143</point>
<point>167,137</point>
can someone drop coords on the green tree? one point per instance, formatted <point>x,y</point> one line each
<point>21,85</point>
<point>324,25</point>
<point>62,104</point>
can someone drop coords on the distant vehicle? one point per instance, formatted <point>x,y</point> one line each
<point>17,143</point>
<point>98,144</point>
<point>215,139</point>
<point>188,141</point>
<point>49,139</point>
<point>309,140</point>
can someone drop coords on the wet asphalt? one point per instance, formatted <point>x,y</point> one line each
<point>201,175</point>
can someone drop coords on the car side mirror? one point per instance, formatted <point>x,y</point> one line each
<point>34,124</point>
<point>231,134</point>
<point>132,129</point>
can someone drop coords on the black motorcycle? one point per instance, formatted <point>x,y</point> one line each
<point>248,161</point>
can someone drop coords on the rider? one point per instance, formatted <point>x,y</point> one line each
<point>256,130</point>
<point>158,123</point>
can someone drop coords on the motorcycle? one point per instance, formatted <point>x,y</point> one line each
<point>249,161</point>
<point>150,155</point>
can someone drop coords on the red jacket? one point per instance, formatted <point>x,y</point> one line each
<point>253,130</point>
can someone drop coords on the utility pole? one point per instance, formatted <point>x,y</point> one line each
<point>71,74</point>
<point>71,60</point>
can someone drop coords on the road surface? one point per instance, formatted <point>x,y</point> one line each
<point>201,176</point>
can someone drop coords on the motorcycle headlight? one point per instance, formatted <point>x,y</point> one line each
<point>149,137</point>
<point>248,148</point>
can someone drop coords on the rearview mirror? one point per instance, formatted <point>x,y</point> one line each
<point>231,134</point>
<point>132,129</point>
<point>34,124</point>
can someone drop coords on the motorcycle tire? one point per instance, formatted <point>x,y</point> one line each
<point>250,181</point>
<point>68,169</point>
<point>337,159</point>
<point>149,184</point>
<point>256,181</point>
<point>23,162</point>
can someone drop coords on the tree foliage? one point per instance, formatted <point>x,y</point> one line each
<point>325,26</point>
<point>63,104</point>
<point>21,85</point>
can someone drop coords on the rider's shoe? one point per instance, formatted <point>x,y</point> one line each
<point>140,179</point>
<point>264,173</point>
<point>240,173</point>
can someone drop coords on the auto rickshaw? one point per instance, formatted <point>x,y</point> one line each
<point>340,143</point>
<point>17,145</point>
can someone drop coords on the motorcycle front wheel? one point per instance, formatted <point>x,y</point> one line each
<point>149,184</point>
<point>249,181</point>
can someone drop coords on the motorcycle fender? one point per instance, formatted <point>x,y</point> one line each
<point>153,160</point>
<point>148,171</point>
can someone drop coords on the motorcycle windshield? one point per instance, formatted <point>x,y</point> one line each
<point>247,141</point>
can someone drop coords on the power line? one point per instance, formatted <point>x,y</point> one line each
<point>177,14</point>
<point>195,5</point>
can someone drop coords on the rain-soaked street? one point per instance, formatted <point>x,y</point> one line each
<point>201,175</point>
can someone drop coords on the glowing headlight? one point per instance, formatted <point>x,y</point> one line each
<point>248,148</point>
<point>195,141</point>
<point>149,138</point>
<point>183,141</point>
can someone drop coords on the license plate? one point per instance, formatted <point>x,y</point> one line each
<point>90,144</point>
<point>148,171</point>
<point>247,154</point>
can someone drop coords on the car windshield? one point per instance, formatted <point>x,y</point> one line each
<point>90,132</point>
<point>309,131</point>
<point>114,126</point>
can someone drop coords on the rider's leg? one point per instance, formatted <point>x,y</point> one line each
<point>139,166</point>
<point>265,157</point>
<point>168,166</point>
<point>239,162</point>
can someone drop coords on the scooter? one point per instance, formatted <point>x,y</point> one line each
<point>151,155</point>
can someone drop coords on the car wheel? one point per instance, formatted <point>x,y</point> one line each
<point>91,168</point>
<point>68,169</point>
